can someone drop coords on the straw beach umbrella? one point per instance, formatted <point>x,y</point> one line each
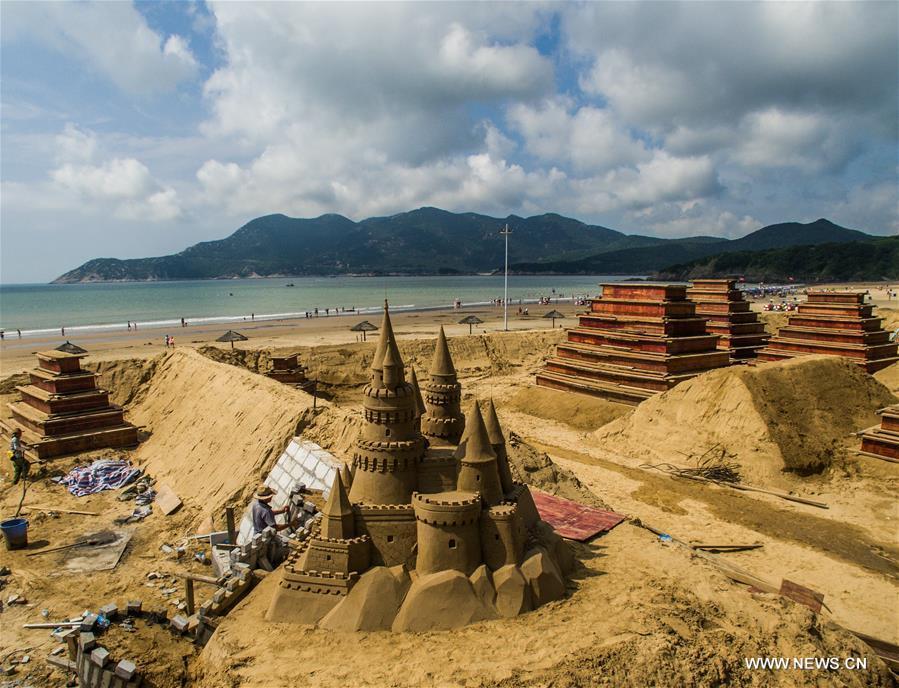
<point>70,348</point>
<point>554,314</point>
<point>232,336</point>
<point>470,320</point>
<point>363,327</point>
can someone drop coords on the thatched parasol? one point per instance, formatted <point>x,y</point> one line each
<point>70,348</point>
<point>232,336</point>
<point>363,327</point>
<point>470,320</point>
<point>554,315</point>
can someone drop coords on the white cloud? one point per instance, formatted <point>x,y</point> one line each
<point>111,37</point>
<point>75,144</point>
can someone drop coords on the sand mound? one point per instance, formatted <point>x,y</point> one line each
<point>889,378</point>
<point>579,411</point>
<point>8,384</point>
<point>214,430</point>
<point>794,416</point>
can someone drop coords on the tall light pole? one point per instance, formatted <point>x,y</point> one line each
<point>505,231</point>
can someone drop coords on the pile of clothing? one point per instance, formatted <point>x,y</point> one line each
<point>102,474</point>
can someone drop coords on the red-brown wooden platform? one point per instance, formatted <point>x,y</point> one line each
<point>573,520</point>
<point>730,316</point>
<point>882,440</point>
<point>288,370</point>
<point>835,323</point>
<point>63,411</point>
<point>639,339</point>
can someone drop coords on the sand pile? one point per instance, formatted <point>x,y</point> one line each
<point>889,378</point>
<point>578,411</point>
<point>214,430</point>
<point>793,416</point>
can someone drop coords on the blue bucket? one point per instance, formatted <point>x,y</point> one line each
<point>15,532</point>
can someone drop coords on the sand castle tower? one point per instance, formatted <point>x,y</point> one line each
<point>478,470</point>
<point>419,401</point>
<point>443,396</point>
<point>390,445</point>
<point>498,442</point>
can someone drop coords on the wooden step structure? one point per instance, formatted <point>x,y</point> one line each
<point>835,323</point>
<point>288,370</point>
<point>882,441</point>
<point>637,340</point>
<point>62,411</point>
<point>730,316</point>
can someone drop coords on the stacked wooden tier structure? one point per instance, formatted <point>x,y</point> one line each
<point>730,316</point>
<point>63,411</point>
<point>288,369</point>
<point>639,339</point>
<point>836,323</point>
<point>882,441</point>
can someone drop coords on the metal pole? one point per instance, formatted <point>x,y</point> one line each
<point>505,231</point>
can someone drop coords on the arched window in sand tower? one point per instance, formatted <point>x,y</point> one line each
<point>452,543</point>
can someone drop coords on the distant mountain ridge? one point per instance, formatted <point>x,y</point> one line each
<point>434,241</point>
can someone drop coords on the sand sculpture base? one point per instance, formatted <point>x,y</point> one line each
<point>62,411</point>
<point>835,323</point>
<point>883,441</point>
<point>638,339</point>
<point>730,316</point>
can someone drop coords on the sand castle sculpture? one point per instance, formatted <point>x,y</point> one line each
<point>62,410</point>
<point>418,535</point>
<point>836,323</point>
<point>729,315</point>
<point>637,340</point>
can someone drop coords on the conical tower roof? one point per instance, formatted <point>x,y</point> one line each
<point>475,446</point>
<point>338,512</point>
<point>491,420</point>
<point>384,339</point>
<point>346,476</point>
<point>442,363</point>
<point>416,390</point>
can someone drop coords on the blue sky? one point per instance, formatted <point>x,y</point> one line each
<point>131,130</point>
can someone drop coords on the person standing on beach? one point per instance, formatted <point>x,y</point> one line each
<point>17,456</point>
<point>166,341</point>
<point>19,332</point>
<point>63,330</point>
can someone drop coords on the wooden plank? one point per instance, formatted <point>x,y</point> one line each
<point>801,594</point>
<point>33,507</point>
<point>167,500</point>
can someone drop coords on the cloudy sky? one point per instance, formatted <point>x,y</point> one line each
<point>131,130</point>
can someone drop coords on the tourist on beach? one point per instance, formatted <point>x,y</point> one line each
<point>19,332</point>
<point>166,340</point>
<point>63,330</point>
<point>252,316</point>
<point>17,456</point>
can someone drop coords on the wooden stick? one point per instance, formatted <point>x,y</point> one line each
<point>61,624</point>
<point>189,595</point>
<point>727,548</point>
<point>31,507</point>
<point>753,488</point>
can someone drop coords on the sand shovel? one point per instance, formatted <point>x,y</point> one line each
<point>101,539</point>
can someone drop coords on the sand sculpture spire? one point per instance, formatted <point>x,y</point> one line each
<point>498,442</point>
<point>443,396</point>
<point>419,402</point>
<point>337,521</point>
<point>390,445</point>
<point>478,471</point>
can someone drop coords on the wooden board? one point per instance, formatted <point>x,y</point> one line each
<point>801,594</point>
<point>572,520</point>
<point>167,501</point>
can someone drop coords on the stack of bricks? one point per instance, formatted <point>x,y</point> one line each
<point>639,339</point>
<point>882,441</point>
<point>62,411</point>
<point>730,316</point>
<point>835,323</point>
<point>288,370</point>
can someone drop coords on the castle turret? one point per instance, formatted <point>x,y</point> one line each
<point>390,445</point>
<point>498,443</point>
<point>448,531</point>
<point>337,521</point>
<point>478,471</point>
<point>443,395</point>
<point>419,402</point>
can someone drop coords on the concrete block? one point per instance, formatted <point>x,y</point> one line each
<point>88,623</point>
<point>134,607</point>
<point>125,669</point>
<point>100,656</point>
<point>110,611</point>
<point>106,679</point>
<point>87,642</point>
<point>218,596</point>
<point>179,623</point>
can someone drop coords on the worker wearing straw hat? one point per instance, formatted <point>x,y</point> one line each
<point>262,513</point>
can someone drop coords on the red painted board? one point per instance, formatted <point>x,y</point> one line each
<point>572,520</point>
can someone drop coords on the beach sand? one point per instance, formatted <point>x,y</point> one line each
<point>640,611</point>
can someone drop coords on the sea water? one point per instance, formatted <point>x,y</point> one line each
<point>42,309</point>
